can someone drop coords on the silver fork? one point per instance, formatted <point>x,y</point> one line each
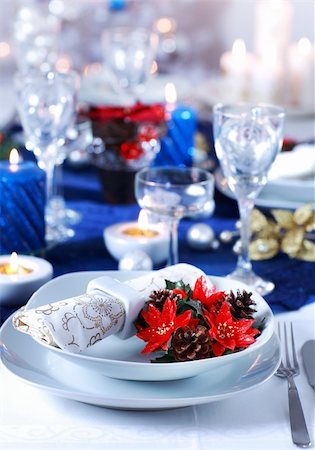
<point>289,368</point>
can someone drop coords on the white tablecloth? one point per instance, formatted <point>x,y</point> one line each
<point>31,419</point>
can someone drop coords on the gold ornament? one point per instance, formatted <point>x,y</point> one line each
<point>287,232</point>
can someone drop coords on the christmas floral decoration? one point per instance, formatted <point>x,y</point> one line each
<point>181,323</point>
<point>130,140</point>
<point>128,132</point>
<point>287,231</point>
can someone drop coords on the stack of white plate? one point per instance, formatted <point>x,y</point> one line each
<point>118,376</point>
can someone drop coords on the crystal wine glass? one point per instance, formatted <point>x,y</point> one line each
<point>46,103</point>
<point>173,193</point>
<point>129,54</point>
<point>35,37</point>
<point>248,138</point>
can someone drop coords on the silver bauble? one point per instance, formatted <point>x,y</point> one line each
<point>200,236</point>
<point>135,260</point>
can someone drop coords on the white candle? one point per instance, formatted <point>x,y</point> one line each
<point>301,59</point>
<point>235,66</point>
<point>124,237</point>
<point>272,33</point>
<point>272,28</point>
<point>267,79</point>
<point>21,276</point>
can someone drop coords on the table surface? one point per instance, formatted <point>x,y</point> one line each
<point>31,419</point>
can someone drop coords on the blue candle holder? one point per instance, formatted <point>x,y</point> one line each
<point>22,207</point>
<point>177,146</point>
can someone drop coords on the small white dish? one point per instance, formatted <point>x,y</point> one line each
<point>33,364</point>
<point>122,359</point>
<point>17,288</point>
<point>121,239</point>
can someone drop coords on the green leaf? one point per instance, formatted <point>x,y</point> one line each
<point>178,285</point>
<point>196,305</point>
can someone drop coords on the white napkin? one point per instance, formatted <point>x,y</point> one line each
<point>108,307</point>
<point>296,164</point>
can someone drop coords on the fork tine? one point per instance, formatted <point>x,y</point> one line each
<point>286,346</point>
<point>280,339</point>
<point>295,361</point>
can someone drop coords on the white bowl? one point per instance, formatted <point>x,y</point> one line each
<point>121,359</point>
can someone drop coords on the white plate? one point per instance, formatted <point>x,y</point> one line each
<point>122,359</point>
<point>33,364</point>
<point>288,194</point>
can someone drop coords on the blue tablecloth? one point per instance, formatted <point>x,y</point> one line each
<point>294,279</point>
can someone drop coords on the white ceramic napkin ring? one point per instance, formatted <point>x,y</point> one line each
<point>132,301</point>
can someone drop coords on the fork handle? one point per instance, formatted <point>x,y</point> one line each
<point>299,431</point>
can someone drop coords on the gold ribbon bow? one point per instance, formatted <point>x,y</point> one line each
<point>286,231</point>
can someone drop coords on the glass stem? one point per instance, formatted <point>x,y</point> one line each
<point>173,244</point>
<point>245,206</point>
<point>58,174</point>
<point>48,164</point>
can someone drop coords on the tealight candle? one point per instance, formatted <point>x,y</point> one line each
<point>22,204</point>
<point>21,276</point>
<point>152,239</point>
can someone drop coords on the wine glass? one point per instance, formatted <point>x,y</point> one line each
<point>129,54</point>
<point>79,139</point>
<point>173,193</point>
<point>248,138</point>
<point>35,37</point>
<point>46,104</point>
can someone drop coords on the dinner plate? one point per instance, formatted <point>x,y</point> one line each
<point>122,359</point>
<point>288,194</point>
<point>33,364</point>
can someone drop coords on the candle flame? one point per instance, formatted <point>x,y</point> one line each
<point>154,68</point>
<point>14,263</point>
<point>14,156</point>
<point>170,93</point>
<point>165,25</point>
<point>239,50</point>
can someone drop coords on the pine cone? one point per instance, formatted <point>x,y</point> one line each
<point>157,298</point>
<point>241,304</point>
<point>191,343</point>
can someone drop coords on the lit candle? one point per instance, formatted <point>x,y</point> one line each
<point>267,78</point>
<point>273,20</point>
<point>21,276</point>
<point>177,146</point>
<point>22,204</point>
<point>301,58</point>
<point>235,66</point>
<point>124,237</point>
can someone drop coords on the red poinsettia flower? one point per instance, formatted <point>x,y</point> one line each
<point>229,333</point>
<point>207,295</point>
<point>131,150</point>
<point>161,325</point>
